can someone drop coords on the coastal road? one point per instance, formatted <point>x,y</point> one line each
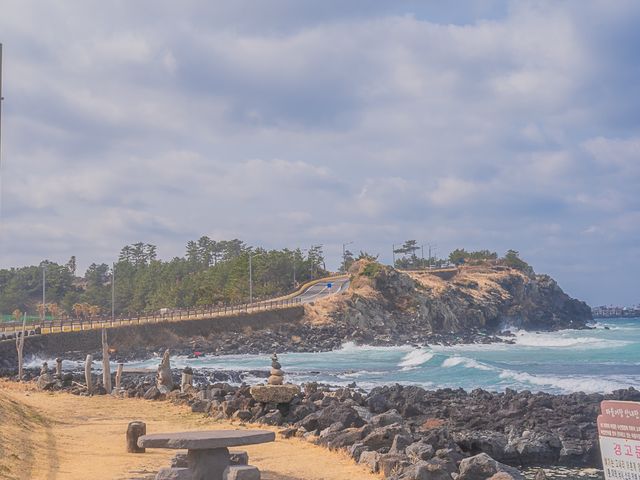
<point>323,289</point>
<point>320,289</point>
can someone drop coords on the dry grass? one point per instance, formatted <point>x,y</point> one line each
<point>435,284</point>
<point>320,312</point>
<point>480,282</point>
<point>61,436</point>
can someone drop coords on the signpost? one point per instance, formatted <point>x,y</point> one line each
<point>619,433</point>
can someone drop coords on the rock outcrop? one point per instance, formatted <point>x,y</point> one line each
<point>384,305</point>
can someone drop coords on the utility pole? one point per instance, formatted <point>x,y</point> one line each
<point>44,308</point>
<point>430,256</point>
<point>113,292</point>
<point>393,247</point>
<point>295,262</point>
<point>344,252</point>
<point>250,281</point>
<point>251,255</point>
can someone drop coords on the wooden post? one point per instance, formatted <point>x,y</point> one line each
<point>119,376</point>
<point>106,368</point>
<point>20,346</point>
<point>87,373</point>
<point>134,431</point>
<point>59,368</point>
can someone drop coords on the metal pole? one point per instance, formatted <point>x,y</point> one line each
<point>344,253</point>
<point>113,291</point>
<point>250,281</point>
<point>44,312</point>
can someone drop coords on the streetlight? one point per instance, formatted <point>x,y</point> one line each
<point>113,292</point>
<point>344,252</point>
<point>251,255</point>
<point>44,283</point>
<point>295,262</point>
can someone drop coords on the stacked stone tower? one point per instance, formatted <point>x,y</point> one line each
<point>276,375</point>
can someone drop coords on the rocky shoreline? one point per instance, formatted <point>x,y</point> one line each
<point>404,432</point>
<point>286,338</point>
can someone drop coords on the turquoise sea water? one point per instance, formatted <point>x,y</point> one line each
<point>598,360</point>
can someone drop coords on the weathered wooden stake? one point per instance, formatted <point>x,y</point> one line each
<point>20,346</point>
<point>59,367</point>
<point>134,431</point>
<point>87,373</point>
<point>119,376</point>
<point>106,368</point>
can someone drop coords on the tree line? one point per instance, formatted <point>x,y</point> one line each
<point>210,273</point>
<point>410,256</point>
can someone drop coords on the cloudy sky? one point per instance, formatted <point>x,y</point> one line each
<point>483,124</point>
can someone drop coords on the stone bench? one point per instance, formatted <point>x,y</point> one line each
<point>236,457</point>
<point>208,457</point>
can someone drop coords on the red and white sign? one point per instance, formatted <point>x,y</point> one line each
<point>619,432</point>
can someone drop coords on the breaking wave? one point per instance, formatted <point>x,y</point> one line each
<point>465,362</point>
<point>415,358</point>
<point>564,339</point>
<point>580,383</point>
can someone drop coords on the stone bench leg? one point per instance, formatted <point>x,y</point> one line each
<point>238,457</point>
<point>241,472</point>
<point>174,474</point>
<point>208,464</point>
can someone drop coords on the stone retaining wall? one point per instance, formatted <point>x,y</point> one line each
<point>127,339</point>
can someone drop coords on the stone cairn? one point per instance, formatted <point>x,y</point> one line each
<point>275,391</point>
<point>276,376</point>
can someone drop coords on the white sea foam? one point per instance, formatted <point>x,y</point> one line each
<point>466,362</point>
<point>360,373</point>
<point>580,383</point>
<point>349,347</point>
<point>564,339</point>
<point>415,358</point>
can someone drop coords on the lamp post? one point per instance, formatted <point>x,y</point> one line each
<point>393,249</point>
<point>344,253</point>
<point>295,262</point>
<point>251,255</point>
<point>44,283</point>
<point>113,292</point>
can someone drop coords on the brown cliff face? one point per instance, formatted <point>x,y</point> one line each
<point>384,301</point>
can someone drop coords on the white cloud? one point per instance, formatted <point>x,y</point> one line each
<point>286,125</point>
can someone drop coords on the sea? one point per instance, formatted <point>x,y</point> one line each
<point>598,360</point>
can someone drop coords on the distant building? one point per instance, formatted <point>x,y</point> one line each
<point>612,311</point>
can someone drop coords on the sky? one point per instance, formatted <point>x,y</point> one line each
<point>286,123</point>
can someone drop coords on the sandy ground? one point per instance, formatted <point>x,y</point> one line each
<point>61,436</point>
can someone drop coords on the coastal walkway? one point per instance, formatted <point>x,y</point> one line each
<point>62,436</point>
<point>307,293</point>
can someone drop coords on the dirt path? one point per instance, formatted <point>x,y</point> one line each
<point>66,437</point>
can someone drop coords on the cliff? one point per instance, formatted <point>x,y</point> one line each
<point>403,306</point>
